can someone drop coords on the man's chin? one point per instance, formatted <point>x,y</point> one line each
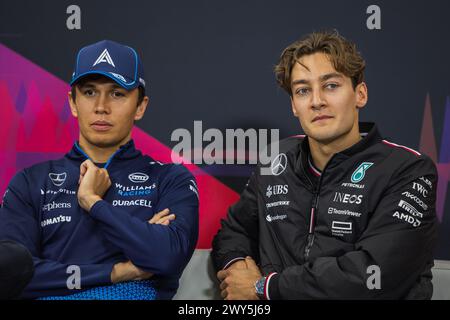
<point>104,142</point>
<point>324,135</point>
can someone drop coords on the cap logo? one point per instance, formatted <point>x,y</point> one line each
<point>104,57</point>
<point>118,76</point>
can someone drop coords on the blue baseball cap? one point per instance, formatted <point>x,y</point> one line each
<point>110,59</point>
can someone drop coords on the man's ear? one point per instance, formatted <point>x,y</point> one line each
<point>361,95</point>
<point>141,109</point>
<point>72,104</point>
<point>294,111</point>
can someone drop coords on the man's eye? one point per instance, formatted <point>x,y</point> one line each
<point>88,92</point>
<point>331,86</point>
<point>117,94</point>
<point>302,91</point>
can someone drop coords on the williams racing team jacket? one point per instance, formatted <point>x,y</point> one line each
<point>40,210</point>
<point>365,227</point>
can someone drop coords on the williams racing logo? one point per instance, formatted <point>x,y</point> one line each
<point>126,191</point>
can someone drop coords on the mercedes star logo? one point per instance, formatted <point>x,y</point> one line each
<point>279,164</point>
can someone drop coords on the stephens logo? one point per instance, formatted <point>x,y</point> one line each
<point>55,205</point>
<point>138,177</point>
<point>360,172</point>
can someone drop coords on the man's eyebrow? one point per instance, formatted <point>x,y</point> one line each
<point>300,81</point>
<point>92,85</point>
<point>86,85</point>
<point>116,86</point>
<point>327,76</point>
<point>322,78</point>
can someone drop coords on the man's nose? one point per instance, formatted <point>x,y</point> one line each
<point>317,99</point>
<point>101,104</point>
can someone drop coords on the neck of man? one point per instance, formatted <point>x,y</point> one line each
<point>100,154</point>
<point>322,151</point>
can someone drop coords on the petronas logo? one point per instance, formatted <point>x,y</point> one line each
<point>360,172</point>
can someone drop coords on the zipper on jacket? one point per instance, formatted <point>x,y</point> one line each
<point>310,239</point>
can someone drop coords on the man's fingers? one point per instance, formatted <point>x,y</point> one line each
<point>224,294</point>
<point>222,274</point>
<point>223,285</point>
<point>251,263</point>
<point>84,167</point>
<point>164,220</point>
<point>159,215</point>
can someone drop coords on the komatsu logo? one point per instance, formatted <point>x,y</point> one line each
<point>55,220</point>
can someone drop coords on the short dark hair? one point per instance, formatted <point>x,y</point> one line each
<point>342,53</point>
<point>93,77</point>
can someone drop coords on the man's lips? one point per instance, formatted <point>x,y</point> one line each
<point>101,125</point>
<point>323,117</point>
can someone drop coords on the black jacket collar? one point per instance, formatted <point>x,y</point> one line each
<point>370,134</point>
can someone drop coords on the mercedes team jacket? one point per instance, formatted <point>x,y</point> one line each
<point>41,211</point>
<point>363,228</point>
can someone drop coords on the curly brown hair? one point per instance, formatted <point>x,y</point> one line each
<point>342,53</point>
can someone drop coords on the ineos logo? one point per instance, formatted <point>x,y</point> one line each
<point>138,177</point>
<point>279,164</point>
<point>347,198</point>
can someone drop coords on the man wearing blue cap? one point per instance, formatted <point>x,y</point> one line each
<point>100,222</point>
